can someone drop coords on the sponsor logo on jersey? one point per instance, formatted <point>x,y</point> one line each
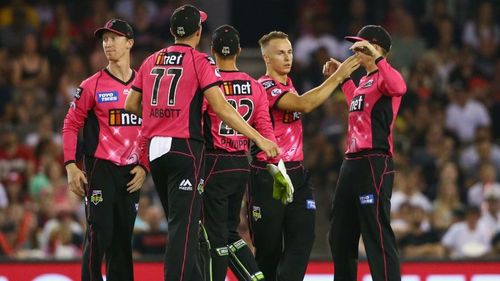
<point>120,117</point>
<point>107,96</point>
<point>256,213</point>
<point>127,91</point>
<point>367,199</point>
<point>96,197</point>
<point>78,93</point>
<point>357,103</point>
<point>237,87</point>
<point>170,58</point>
<point>186,185</point>
<point>276,92</point>
<point>310,205</point>
<point>201,186</point>
<point>367,84</point>
<point>222,251</point>
<point>291,116</point>
<point>268,84</point>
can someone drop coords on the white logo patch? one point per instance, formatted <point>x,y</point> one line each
<point>186,185</point>
<point>180,31</point>
<point>276,92</point>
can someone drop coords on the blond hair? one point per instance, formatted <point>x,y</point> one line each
<point>266,38</point>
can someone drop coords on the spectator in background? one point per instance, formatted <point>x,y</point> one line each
<point>152,241</point>
<point>468,238</point>
<point>491,210</point>
<point>442,57</point>
<point>31,69</point>
<point>13,32</point>
<point>446,202</point>
<point>73,72</point>
<point>487,183</point>
<point>421,240</point>
<point>410,190</point>
<point>317,35</point>
<point>464,115</point>
<point>483,150</point>
<point>407,46</point>
<point>15,157</point>
<point>481,26</point>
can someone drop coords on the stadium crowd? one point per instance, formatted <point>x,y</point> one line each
<point>446,198</point>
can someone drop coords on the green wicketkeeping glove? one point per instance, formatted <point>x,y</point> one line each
<point>282,184</point>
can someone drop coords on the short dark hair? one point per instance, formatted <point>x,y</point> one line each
<point>264,40</point>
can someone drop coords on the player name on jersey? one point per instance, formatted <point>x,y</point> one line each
<point>170,58</point>
<point>237,87</point>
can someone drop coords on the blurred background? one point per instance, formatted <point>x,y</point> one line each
<point>446,197</point>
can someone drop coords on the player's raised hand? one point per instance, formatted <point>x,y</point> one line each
<point>139,177</point>
<point>330,67</point>
<point>76,179</point>
<point>345,69</point>
<point>270,148</point>
<point>366,48</point>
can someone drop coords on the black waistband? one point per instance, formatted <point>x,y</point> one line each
<point>366,153</point>
<point>288,165</point>
<point>225,152</point>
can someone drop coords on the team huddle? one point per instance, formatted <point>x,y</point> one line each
<point>201,117</point>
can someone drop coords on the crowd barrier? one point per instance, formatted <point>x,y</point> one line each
<point>316,271</point>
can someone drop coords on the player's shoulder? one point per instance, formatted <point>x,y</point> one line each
<point>201,56</point>
<point>90,82</point>
<point>267,82</point>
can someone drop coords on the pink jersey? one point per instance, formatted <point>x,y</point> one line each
<point>373,107</point>
<point>172,82</point>
<point>287,124</point>
<point>109,132</point>
<point>249,98</point>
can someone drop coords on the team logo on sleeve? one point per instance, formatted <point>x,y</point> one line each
<point>276,92</point>
<point>268,84</point>
<point>291,116</point>
<point>78,93</point>
<point>211,60</point>
<point>96,197</point>
<point>368,84</point>
<point>111,96</point>
<point>357,103</point>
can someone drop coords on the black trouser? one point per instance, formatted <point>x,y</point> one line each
<point>361,205</point>
<point>110,211</point>
<point>283,235</point>
<point>178,177</point>
<point>227,179</point>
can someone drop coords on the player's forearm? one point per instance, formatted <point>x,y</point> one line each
<point>394,83</point>
<point>133,103</point>
<point>317,96</point>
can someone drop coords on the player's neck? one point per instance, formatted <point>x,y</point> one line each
<point>120,69</point>
<point>371,67</point>
<point>227,65</point>
<point>282,78</point>
<point>193,42</point>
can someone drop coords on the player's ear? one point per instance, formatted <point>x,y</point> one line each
<point>130,43</point>
<point>265,57</point>
<point>239,51</point>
